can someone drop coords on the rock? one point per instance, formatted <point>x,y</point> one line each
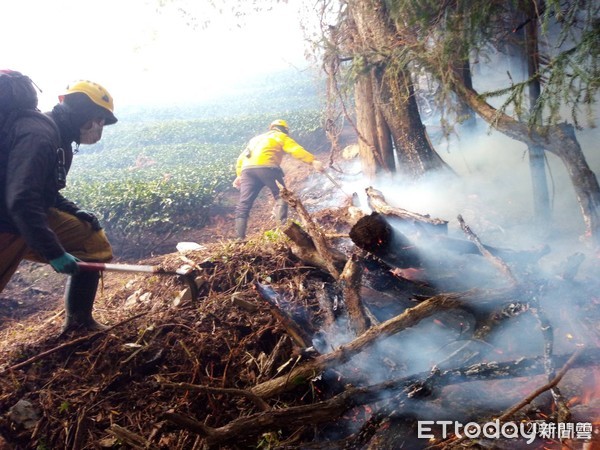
<point>24,413</point>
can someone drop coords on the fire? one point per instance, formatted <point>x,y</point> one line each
<point>591,389</point>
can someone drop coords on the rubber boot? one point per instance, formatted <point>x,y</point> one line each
<point>80,293</point>
<point>240,227</point>
<point>282,210</point>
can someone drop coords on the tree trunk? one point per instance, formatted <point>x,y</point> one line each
<point>367,128</point>
<point>387,112</point>
<point>398,104</point>
<point>559,140</point>
<point>537,158</point>
<point>465,114</point>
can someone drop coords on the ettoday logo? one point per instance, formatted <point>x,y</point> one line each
<point>508,430</point>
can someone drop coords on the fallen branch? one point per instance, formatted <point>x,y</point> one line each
<point>564,415</point>
<point>302,245</point>
<point>259,402</point>
<point>377,203</point>
<point>350,282</point>
<point>344,353</point>
<point>559,376</point>
<point>316,235</point>
<point>570,363</point>
<point>329,410</point>
<point>486,253</point>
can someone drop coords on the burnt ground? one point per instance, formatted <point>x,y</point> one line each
<point>65,385</point>
<point>116,389</point>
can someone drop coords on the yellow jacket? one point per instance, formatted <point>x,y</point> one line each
<point>267,150</point>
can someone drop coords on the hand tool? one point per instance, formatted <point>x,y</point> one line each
<point>185,273</point>
<point>353,198</point>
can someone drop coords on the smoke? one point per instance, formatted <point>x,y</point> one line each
<point>492,191</point>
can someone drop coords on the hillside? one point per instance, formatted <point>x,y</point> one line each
<point>148,323</point>
<point>280,349</point>
<point>173,373</point>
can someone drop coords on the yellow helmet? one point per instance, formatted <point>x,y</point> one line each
<point>96,93</point>
<point>280,123</point>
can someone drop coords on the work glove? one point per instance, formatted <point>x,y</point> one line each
<point>65,263</point>
<point>318,166</point>
<point>237,182</point>
<point>88,216</point>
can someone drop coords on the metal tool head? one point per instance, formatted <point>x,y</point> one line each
<point>187,274</point>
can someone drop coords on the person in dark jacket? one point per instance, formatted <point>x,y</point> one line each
<point>36,222</point>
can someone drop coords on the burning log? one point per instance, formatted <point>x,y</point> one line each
<point>375,235</point>
<point>408,387</point>
<point>378,204</point>
<point>432,232</point>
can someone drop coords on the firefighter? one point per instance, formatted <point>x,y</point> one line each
<point>36,222</point>
<point>259,165</point>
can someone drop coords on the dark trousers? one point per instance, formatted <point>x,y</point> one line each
<point>251,183</point>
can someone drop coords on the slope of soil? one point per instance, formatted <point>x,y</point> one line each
<point>167,357</point>
<point>67,391</point>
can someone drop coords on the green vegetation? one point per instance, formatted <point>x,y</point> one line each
<point>151,177</point>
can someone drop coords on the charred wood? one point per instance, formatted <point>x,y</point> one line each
<point>567,364</point>
<point>296,332</point>
<point>316,235</point>
<point>374,234</point>
<point>344,353</point>
<point>350,281</point>
<point>328,304</point>
<point>302,245</point>
<point>328,410</point>
<point>383,278</point>
<point>564,414</point>
<point>486,322</point>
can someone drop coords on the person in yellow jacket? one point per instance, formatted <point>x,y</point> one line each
<point>259,165</point>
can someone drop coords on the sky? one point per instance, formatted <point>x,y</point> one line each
<point>142,53</point>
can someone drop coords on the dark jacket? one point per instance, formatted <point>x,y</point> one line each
<point>29,181</point>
